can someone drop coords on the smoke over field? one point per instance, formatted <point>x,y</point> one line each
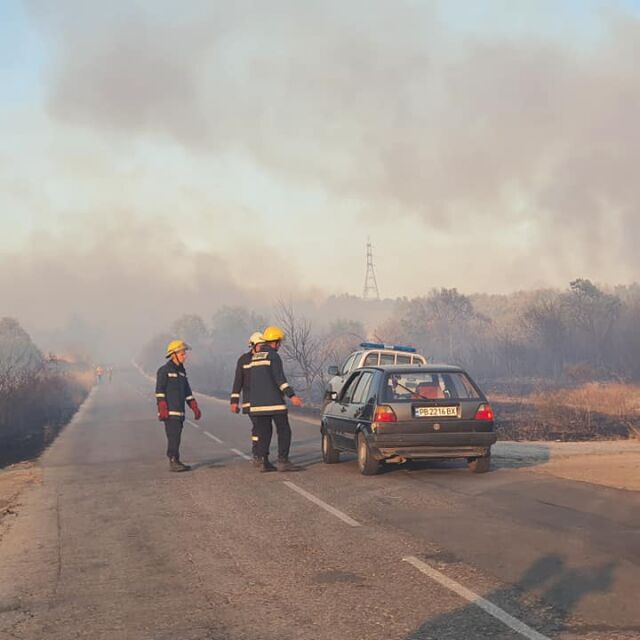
<point>160,158</point>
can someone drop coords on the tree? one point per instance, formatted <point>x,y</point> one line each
<point>439,322</point>
<point>20,359</point>
<point>303,349</point>
<point>191,328</point>
<point>594,313</point>
<point>546,321</point>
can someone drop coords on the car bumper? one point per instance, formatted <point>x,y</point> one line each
<point>431,445</point>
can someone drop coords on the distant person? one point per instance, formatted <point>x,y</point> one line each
<point>241,384</point>
<point>267,393</point>
<point>99,373</point>
<point>172,391</point>
<point>110,373</point>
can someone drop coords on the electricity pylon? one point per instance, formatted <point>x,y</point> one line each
<point>371,291</point>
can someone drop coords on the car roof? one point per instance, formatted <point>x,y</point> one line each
<point>425,368</point>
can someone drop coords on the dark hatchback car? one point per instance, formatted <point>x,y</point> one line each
<point>399,413</point>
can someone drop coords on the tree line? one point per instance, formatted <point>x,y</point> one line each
<point>578,334</point>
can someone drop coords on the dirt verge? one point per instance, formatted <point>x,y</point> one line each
<point>13,481</point>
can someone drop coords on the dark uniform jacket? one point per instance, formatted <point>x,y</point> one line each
<point>268,383</point>
<point>241,382</point>
<point>172,385</point>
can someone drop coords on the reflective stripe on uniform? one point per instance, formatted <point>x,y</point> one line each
<point>189,398</point>
<point>246,366</point>
<point>235,395</point>
<point>260,363</point>
<point>255,438</point>
<point>172,375</point>
<point>273,407</point>
<point>283,386</point>
<point>176,413</point>
<point>246,404</point>
<point>160,395</point>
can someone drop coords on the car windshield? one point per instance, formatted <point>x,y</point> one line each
<point>420,385</point>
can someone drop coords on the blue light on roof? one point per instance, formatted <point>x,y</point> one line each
<point>390,347</point>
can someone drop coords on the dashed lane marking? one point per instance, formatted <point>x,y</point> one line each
<point>193,424</point>
<point>321,503</point>
<point>214,438</point>
<point>474,598</point>
<point>241,454</point>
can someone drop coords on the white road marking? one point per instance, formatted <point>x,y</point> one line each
<point>296,417</point>
<point>214,438</point>
<point>485,605</point>
<point>241,454</point>
<point>193,424</point>
<point>321,503</point>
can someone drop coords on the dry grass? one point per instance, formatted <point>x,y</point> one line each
<point>590,411</point>
<point>616,400</point>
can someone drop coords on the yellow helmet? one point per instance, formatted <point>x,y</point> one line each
<point>273,334</point>
<point>256,338</point>
<point>176,345</point>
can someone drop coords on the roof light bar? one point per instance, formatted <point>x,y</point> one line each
<point>390,347</point>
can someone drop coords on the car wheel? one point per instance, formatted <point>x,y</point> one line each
<point>330,455</point>
<point>367,464</point>
<point>479,465</point>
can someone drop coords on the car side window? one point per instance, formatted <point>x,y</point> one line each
<point>387,358</point>
<point>356,360</point>
<point>361,393</point>
<point>371,360</point>
<point>400,359</point>
<point>347,393</point>
<point>346,367</point>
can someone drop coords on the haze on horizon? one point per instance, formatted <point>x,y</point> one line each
<point>160,157</point>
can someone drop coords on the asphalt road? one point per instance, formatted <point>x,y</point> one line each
<point>112,545</point>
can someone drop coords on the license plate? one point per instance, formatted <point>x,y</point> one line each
<point>436,412</point>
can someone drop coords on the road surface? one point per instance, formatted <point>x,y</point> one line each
<point>113,546</point>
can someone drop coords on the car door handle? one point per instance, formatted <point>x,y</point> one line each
<point>358,413</point>
<point>343,409</point>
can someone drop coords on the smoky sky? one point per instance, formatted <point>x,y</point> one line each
<point>522,146</point>
<point>376,101</point>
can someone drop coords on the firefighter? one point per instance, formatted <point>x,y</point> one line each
<point>241,384</point>
<point>172,391</point>
<point>267,393</point>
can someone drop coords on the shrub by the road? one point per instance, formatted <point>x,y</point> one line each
<point>38,395</point>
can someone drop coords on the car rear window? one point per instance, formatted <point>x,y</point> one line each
<point>420,385</point>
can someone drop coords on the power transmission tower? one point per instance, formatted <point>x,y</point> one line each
<point>371,291</point>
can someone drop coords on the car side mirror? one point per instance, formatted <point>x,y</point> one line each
<point>333,395</point>
<point>333,371</point>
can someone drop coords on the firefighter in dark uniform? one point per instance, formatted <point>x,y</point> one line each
<point>241,382</point>
<point>172,391</point>
<point>267,393</point>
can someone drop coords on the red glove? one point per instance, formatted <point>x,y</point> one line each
<point>234,408</point>
<point>197,414</point>
<point>163,410</point>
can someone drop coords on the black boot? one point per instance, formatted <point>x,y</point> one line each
<point>176,465</point>
<point>265,465</point>
<point>284,464</point>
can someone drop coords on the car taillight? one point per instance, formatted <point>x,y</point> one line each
<point>484,412</point>
<point>384,413</point>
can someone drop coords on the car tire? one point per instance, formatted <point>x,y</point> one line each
<point>479,465</point>
<point>330,455</point>
<point>367,464</point>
